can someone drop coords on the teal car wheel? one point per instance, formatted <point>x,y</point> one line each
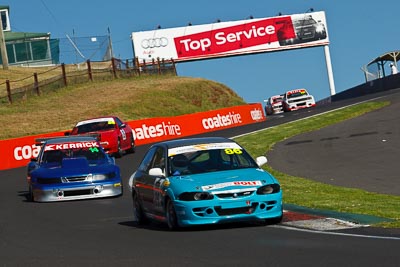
<point>275,220</point>
<point>138,211</point>
<point>172,220</point>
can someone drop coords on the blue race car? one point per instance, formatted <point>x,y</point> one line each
<point>71,168</point>
<point>194,181</point>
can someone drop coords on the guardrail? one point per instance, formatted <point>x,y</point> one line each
<point>375,86</point>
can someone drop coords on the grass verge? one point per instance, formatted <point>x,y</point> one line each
<point>311,194</point>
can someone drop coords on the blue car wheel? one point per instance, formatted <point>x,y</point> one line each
<point>30,194</point>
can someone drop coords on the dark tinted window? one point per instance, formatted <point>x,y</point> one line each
<point>95,127</point>
<point>147,160</point>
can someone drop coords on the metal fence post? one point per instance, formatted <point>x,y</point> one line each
<point>36,83</point>
<point>127,64</point>
<point>89,67</point>
<point>64,74</point>
<point>8,91</point>
<point>144,68</point>
<point>136,65</point>
<point>173,65</point>
<point>158,66</point>
<point>114,67</point>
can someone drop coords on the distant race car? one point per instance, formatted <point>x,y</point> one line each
<point>195,181</point>
<point>114,135</point>
<point>71,168</point>
<point>297,99</point>
<point>273,105</point>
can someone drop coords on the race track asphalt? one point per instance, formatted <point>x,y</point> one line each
<point>362,153</point>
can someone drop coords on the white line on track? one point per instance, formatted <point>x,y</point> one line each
<point>316,115</point>
<point>336,233</point>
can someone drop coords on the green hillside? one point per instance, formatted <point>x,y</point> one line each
<point>129,98</point>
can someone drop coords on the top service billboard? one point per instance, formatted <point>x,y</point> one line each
<point>231,38</point>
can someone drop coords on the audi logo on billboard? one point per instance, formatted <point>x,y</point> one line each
<point>154,42</point>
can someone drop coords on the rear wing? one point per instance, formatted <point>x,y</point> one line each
<point>41,141</point>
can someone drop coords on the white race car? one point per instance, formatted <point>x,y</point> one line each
<point>297,99</point>
<point>273,105</point>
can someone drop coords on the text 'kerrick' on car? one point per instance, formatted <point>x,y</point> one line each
<point>209,180</point>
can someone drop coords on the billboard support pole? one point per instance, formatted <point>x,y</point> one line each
<point>4,56</point>
<point>329,69</point>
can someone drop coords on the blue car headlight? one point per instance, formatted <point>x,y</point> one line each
<point>269,189</point>
<point>103,176</point>
<point>193,196</point>
<point>40,180</point>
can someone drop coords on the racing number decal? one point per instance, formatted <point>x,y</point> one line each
<point>94,149</point>
<point>123,134</point>
<point>231,151</point>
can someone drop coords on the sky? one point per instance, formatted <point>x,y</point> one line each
<point>359,31</point>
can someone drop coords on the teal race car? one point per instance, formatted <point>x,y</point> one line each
<point>209,180</point>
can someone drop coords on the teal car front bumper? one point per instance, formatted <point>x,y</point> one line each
<point>250,208</point>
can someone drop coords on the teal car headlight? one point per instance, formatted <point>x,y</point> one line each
<point>269,189</point>
<point>193,196</point>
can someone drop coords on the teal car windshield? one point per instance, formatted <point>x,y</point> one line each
<point>194,160</point>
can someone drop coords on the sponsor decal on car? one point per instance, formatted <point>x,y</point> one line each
<point>227,184</point>
<point>71,145</point>
<point>301,91</point>
<point>193,148</point>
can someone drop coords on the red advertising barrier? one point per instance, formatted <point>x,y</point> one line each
<point>18,151</point>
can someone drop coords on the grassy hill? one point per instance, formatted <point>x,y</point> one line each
<point>129,98</point>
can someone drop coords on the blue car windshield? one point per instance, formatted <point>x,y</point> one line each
<point>54,157</point>
<point>203,161</point>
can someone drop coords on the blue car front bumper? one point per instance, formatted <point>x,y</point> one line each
<point>65,192</point>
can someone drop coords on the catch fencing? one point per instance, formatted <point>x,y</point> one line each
<point>54,78</point>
